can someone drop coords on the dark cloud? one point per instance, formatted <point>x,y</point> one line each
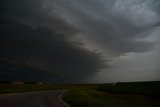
<point>114,25</point>
<point>55,40</point>
<point>34,39</point>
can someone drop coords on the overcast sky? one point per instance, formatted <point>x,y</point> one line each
<point>80,40</point>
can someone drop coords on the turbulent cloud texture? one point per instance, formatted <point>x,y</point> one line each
<point>72,40</point>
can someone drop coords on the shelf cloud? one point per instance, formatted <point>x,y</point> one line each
<point>75,40</point>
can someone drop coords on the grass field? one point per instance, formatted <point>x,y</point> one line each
<point>151,89</point>
<point>137,94</point>
<point>14,88</point>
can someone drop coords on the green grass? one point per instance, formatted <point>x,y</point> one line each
<point>111,95</point>
<point>14,88</point>
<point>93,98</point>
<point>151,89</point>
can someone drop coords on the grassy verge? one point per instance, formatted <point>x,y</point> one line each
<point>111,95</point>
<point>94,98</point>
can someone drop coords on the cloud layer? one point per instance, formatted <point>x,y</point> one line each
<point>72,40</point>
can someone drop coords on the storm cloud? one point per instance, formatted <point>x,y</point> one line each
<point>32,37</point>
<point>73,40</point>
